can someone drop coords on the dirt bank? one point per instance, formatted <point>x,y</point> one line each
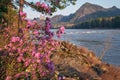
<point>79,63</point>
<point>71,63</point>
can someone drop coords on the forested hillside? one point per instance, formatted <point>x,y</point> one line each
<point>89,16</point>
<point>100,23</point>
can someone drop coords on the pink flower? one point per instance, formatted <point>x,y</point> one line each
<point>19,59</point>
<point>7,29</point>
<point>15,39</point>
<point>0,49</point>
<point>22,14</point>
<point>5,47</point>
<point>58,34</point>
<point>13,48</point>
<point>37,3</point>
<point>36,32</point>
<point>33,53</point>
<point>38,61</point>
<point>47,58</point>
<point>19,74</point>
<point>39,48</point>
<point>52,49</point>
<point>21,54</point>
<point>10,44</point>
<point>52,43</point>
<point>37,55</point>
<point>21,42</point>
<point>19,50</point>
<point>8,78</point>
<point>62,29</point>
<point>43,5</point>
<point>29,24</point>
<point>43,73</point>
<point>25,49</point>
<point>34,21</point>
<point>27,62</point>
<point>48,10</point>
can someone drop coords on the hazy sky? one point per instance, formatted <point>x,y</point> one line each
<point>72,8</point>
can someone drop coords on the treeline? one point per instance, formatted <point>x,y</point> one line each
<point>100,23</point>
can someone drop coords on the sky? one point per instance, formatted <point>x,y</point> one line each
<point>72,8</point>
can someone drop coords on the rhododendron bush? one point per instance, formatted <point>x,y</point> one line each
<point>32,48</point>
<point>34,52</point>
<point>27,46</point>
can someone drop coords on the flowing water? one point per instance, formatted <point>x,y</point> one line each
<point>97,41</point>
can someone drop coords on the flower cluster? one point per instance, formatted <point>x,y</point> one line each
<point>47,28</point>
<point>44,7</point>
<point>34,48</point>
<point>60,31</point>
<point>23,15</point>
<point>30,24</point>
<point>15,39</point>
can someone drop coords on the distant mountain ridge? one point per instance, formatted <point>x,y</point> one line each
<point>86,12</point>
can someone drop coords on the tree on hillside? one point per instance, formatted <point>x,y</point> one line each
<point>116,22</point>
<point>3,9</point>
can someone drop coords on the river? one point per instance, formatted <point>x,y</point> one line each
<point>97,41</point>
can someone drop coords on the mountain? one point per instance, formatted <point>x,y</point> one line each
<point>86,12</point>
<point>57,18</point>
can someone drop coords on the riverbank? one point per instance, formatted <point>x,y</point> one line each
<point>79,63</point>
<point>97,40</point>
<point>74,63</point>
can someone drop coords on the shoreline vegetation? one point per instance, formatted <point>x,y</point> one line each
<point>100,23</point>
<point>72,63</point>
<point>29,52</point>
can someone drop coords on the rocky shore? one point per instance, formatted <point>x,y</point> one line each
<point>79,63</point>
<point>74,63</point>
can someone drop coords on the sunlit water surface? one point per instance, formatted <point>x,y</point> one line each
<point>97,40</point>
